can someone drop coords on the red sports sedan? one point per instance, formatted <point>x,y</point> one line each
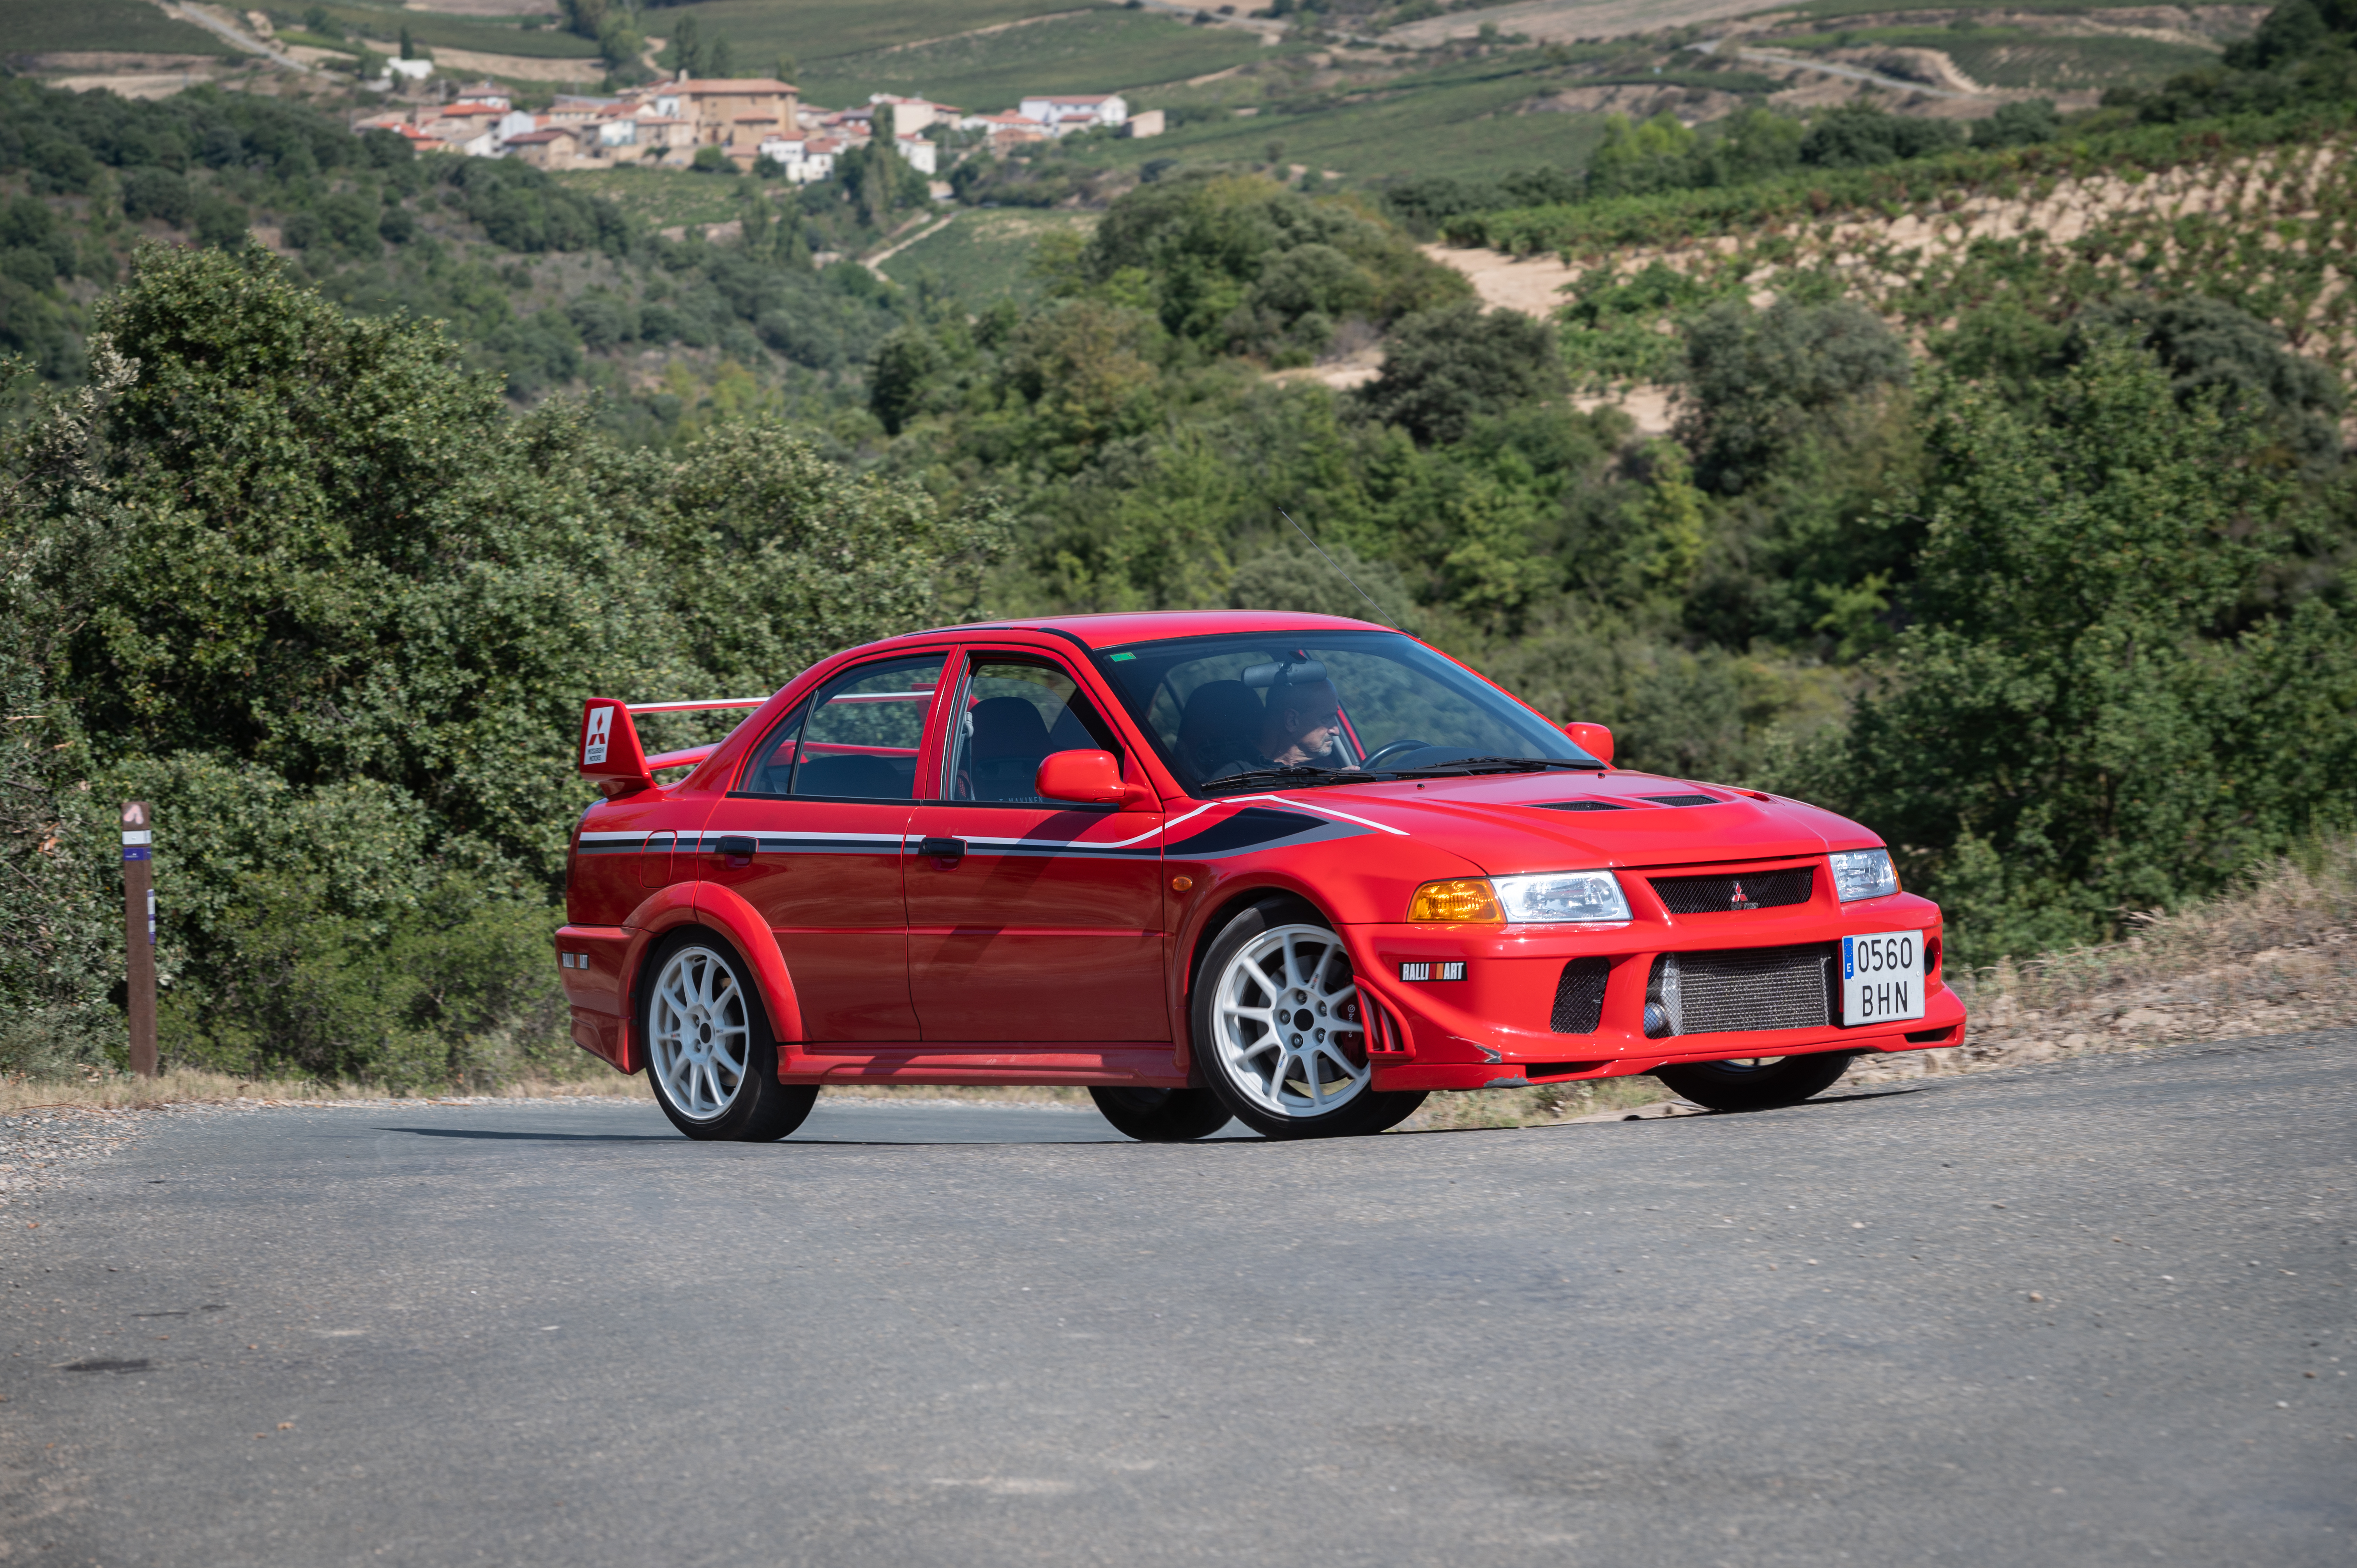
<point>1292,869</point>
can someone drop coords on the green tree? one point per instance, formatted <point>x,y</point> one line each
<point>2070,730</point>
<point>1759,378</point>
<point>1444,368</point>
<point>314,592</point>
<point>896,377</point>
<point>1633,160</point>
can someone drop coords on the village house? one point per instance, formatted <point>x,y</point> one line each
<point>733,113</point>
<point>550,149</point>
<point>1004,129</point>
<point>914,114</point>
<point>1067,113</point>
<point>918,151</point>
<point>803,159</point>
<point>571,109</point>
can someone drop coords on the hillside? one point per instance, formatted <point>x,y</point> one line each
<point>2004,507</point>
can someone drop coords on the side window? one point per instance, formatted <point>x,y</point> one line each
<point>1018,711</point>
<point>772,772</point>
<point>856,740</point>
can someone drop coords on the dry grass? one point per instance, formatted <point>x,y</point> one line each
<point>2276,955</point>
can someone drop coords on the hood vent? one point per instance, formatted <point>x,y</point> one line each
<point>1580,805</point>
<point>1686,800</point>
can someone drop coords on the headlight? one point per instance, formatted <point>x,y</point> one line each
<point>1556,895</point>
<point>1863,874</point>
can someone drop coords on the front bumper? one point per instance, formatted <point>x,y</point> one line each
<point>1492,1028</point>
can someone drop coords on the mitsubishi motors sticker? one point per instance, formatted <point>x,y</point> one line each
<point>602,725</point>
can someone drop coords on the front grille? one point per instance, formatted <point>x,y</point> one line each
<point>1745,989</point>
<point>1579,996</point>
<point>1744,890</point>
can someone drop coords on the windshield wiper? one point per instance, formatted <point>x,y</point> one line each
<point>1290,778</point>
<point>1491,765</point>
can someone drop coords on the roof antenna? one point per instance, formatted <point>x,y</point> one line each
<point>1338,572</point>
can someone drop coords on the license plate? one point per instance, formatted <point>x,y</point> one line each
<point>1882,978</point>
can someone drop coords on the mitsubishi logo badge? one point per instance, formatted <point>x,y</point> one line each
<point>1738,901</point>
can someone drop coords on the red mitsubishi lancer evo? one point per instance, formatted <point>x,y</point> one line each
<point>1292,869</point>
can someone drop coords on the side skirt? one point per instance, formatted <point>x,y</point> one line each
<point>1143,1065</point>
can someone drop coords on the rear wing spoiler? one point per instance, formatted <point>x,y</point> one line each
<point>610,756</point>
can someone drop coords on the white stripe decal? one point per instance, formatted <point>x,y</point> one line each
<point>1297,805</point>
<point>710,833</point>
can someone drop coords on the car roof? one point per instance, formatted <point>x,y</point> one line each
<point>1117,628</point>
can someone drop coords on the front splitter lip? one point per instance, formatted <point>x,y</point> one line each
<point>1513,1073</point>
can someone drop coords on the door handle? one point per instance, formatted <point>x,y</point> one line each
<point>950,849</point>
<point>737,849</point>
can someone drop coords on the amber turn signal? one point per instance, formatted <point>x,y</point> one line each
<point>1460,900</point>
<point>1180,883</point>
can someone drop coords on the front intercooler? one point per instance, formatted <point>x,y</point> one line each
<point>1748,989</point>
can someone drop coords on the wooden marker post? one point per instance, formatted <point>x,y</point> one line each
<point>139,934</point>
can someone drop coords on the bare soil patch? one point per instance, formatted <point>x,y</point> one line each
<point>1532,284</point>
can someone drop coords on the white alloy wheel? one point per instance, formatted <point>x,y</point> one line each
<point>698,1037</point>
<point>1285,1024</point>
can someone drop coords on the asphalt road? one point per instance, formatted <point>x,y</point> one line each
<point>2098,1313</point>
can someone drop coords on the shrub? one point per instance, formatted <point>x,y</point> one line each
<point>1444,368</point>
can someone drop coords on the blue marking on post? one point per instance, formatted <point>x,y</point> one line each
<point>137,852</point>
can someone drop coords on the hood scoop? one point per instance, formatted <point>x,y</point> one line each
<point>1580,805</point>
<point>1692,798</point>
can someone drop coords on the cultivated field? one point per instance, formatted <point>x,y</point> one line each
<point>40,26</point>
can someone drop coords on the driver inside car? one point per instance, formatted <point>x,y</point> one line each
<point>1299,728</point>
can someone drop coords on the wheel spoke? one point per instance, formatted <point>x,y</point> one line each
<point>700,1039</point>
<point>1254,1027</point>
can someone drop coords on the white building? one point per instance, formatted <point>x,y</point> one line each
<point>414,69</point>
<point>1067,113</point>
<point>806,160</point>
<point>917,152</point>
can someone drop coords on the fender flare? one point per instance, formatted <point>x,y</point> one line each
<point>728,913</point>
<point>735,918</point>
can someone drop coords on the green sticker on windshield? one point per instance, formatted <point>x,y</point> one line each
<point>1119,657</point>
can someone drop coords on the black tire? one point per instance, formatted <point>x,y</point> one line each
<point>711,1058</point>
<point>1776,1081</point>
<point>1162,1115</point>
<point>1255,1091</point>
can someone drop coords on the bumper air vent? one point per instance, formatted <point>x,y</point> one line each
<point>1742,991</point>
<point>1580,805</point>
<point>1744,890</point>
<point>1579,996</point>
<point>1687,800</point>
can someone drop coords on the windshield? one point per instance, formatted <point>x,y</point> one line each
<point>1231,711</point>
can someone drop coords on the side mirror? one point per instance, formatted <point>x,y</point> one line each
<point>1092,777</point>
<point>1594,739</point>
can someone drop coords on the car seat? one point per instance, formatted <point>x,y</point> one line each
<point>1221,724</point>
<point>1009,742</point>
<point>857,777</point>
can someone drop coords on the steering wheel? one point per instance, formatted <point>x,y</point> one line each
<point>1398,745</point>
